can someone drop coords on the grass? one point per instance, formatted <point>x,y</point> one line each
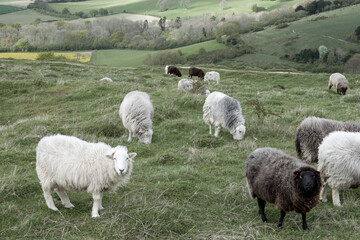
<point>4,9</point>
<point>83,57</point>
<point>134,58</point>
<point>186,184</point>
<point>148,7</point>
<point>25,17</point>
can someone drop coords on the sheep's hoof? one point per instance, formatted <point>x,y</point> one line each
<point>323,199</point>
<point>101,208</point>
<point>95,215</point>
<point>69,205</point>
<point>279,225</point>
<point>54,208</point>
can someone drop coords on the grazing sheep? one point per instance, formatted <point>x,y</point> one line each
<point>166,69</point>
<point>221,110</point>
<point>339,163</point>
<point>106,79</point>
<point>173,70</point>
<point>185,85</point>
<point>136,112</point>
<point>287,182</point>
<point>68,163</point>
<point>212,76</point>
<point>340,82</point>
<point>312,131</point>
<point>193,71</point>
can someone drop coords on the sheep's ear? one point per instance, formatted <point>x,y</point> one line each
<point>110,153</point>
<point>317,173</point>
<point>296,174</point>
<point>132,155</point>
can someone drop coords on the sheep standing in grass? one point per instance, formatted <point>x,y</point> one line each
<point>136,112</point>
<point>340,82</point>
<point>212,76</point>
<point>193,71</point>
<point>68,163</point>
<point>275,177</point>
<point>312,131</point>
<point>172,70</point>
<point>185,85</point>
<point>220,111</point>
<point>167,69</point>
<point>339,163</point>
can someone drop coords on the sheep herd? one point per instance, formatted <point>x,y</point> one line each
<point>291,184</point>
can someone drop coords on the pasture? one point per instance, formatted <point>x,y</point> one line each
<point>4,9</point>
<point>25,17</point>
<point>186,184</point>
<point>80,57</point>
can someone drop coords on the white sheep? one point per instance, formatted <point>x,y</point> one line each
<point>166,69</point>
<point>221,110</point>
<point>340,82</point>
<point>136,112</point>
<point>68,163</point>
<point>185,85</point>
<point>339,163</point>
<point>106,79</point>
<point>212,76</point>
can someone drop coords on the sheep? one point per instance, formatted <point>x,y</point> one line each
<point>185,85</point>
<point>220,111</point>
<point>276,177</point>
<point>69,163</point>
<point>193,71</point>
<point>106,79</point>
<point>340,82</point>
<point>212,76</point>
<point>173,70</point>
<point>166,69</point>
<point>136,112</point>
<point>339,163</point>
<point>312,131</point>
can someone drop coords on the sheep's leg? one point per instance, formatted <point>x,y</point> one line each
<point>48,198</point>
<point>336,197</point>
<point>282,216</point>
<point>304,225</point>
<point>209,129</point>
<point>217,130</point>
<point>129,138</point>
<point>101,196</point>
<point>323,192</point>
<point>330,85</point>
<point>64,198</point>
<point>96,205</point>
<point>261,204</point>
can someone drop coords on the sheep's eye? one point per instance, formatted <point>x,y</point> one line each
<point>301,177</point>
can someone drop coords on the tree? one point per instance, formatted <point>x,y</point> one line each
<point>222,4</point>
<point>178,22</point>
<point>255,8</point>
<point>65,11</point>
<point>21,46</point>
<point>94,12</point>
<point>227,29</point>
<point>103,12</point>
<point>323,51</point>
<point>185,3</point>
<point>162,22</point>
<point>164,5</point>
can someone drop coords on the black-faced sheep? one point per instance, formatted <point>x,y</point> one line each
<point>340,82</point>
<point>312,131</point>
<point>136,112</point>
<point>173,70</point>
<point>68,163</point>
<point>287,182</point>
<point>339,163</point>
<point>221,110</point>
<point>193,71</point>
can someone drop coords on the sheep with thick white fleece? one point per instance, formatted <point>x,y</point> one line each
<point>136,112</point>
<point>212,76</point>
<point>220,111</point>
<point>166,69</point>
<point>69,163</point>
<point>339,163</point>
<point>340,82</point>
<point>186,85</point>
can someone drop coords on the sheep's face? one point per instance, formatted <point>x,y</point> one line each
<point>146,136</point>
<point>343,90</point>
<point>308,181</point>
<point>239,132</point>
<point>122,159</point>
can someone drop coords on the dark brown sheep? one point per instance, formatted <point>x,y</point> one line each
<point>193,71</point>
<point>173,70</point>
<point>275,177</point>
<point>313,130</point>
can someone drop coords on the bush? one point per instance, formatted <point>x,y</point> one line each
<point>323,51</point>
<point>255,8</point>
<point>225,30</point>
<point>165,57</point>
<point>353,64</point>
<point>50,56</point>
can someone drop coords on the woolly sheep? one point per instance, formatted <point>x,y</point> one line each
<point>312,131</point>
<point>136,112</point>
<point>68,163</point>
<point>287,182</point>
<point>193,71</point>
<point>106,79</point>
<point>212,76</point>
<point>220,111</point>
<point>166,69</point>
<point>173,70</point>
<point>185,85</point>
<point>340,82</point>
<point>339,163</point>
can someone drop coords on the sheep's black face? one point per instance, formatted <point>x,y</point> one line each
<point>343,90</point>
<point>308,181</point>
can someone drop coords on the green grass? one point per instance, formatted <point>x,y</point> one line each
<point>148,7</point>
<point>4,9</point>
<point>186,184</point>
<point>134,58</point>
<point>25,17</point>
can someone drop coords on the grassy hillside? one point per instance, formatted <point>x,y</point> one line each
<point>134,58</point>
<point>148,7</point>
<point>25,17</point>
<point>186,184</point>
<point>4,9</point>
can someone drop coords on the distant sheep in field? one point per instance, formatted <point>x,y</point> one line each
<point>71,164</point>
<point>106,79</point>
<point>311,133</point>
<point>185,85</point>
<point>340,82</point>
<point>193,86</point>
<point>193,71</point>
<point>136,112</point>
<point>172,70</point>
<point>287,182</point>
<point>339,163</point>
<point>220,111</point>
<point>212,76</point>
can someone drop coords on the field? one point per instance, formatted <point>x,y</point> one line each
<point>25,17</point>
<point>4,9</point>
<point>83,57</point>
<point>148,7</point>
<point>134,58</point>
<point>186,184</point>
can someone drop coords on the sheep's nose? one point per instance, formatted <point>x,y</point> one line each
<point>121,170</point>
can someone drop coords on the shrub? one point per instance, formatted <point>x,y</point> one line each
<point>225,30</point>
<point>323,51</point>
<point>353,64</point>
<point>255,8</point>
<point>165,57</point>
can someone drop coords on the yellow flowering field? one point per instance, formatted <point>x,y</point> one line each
<point>81,57</point>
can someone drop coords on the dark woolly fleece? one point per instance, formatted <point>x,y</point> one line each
<point>232,112</point>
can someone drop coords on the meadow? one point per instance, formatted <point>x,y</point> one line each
<point>186,184</point>
<point>80,57</point>
<point>4,9</point>
<point>25,17</point>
